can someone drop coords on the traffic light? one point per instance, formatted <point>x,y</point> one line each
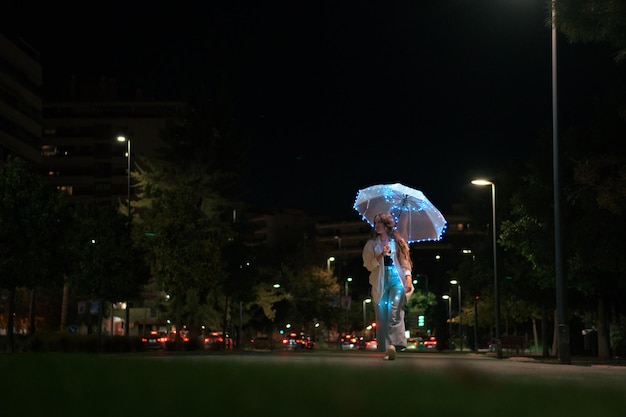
<point>420,320</point>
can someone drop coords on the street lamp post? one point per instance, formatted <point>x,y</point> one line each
<point>124,139</point>
<point>564,349</point>
<point>458,286</point>
<point>496,300</point>
<point>339,256</point>
<point>367,300</point>
<point>449,299</point>
<point>348,280</point>
<point>328,261</point>
<point>475,323</point>
<point>346,300</point>
<point>127,140</point>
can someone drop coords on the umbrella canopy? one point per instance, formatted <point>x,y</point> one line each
<point>417,219</point>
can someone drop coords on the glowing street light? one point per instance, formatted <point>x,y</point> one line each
<point>328,261</point>
<point>348,280</point>
<point>458,285</point>
<point>496,300</point>
<point>449,300</point>
<point>127,140</point>
<point>367,300</point>
<point>124,139</point>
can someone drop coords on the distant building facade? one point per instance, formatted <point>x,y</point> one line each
<point>80,152</point>
<point>20,100</point>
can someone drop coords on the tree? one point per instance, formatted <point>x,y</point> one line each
<point>302,299</point>
<point>106,266</point>
<point>594,21</point>
<point>31,224</point>
<point>311,288</point>
<point>594,182</point>
<point>596,196</point>
<point>188,198</point>
<point>528,238</point>
<point>184,252</point>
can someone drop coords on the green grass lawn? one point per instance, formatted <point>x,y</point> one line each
<point>133,385</point>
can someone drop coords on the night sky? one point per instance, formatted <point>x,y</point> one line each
<point>340,95</point>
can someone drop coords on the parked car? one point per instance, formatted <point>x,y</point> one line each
<point>431,343</point>
<point>184,335</point>
<point>349,342</point>
<point>415,343</point>
<point>217,341</point>
<point>263,343</point>
<point>371,345</point>
<point>290,342</point>
<point>367,344</point>
<point>154,340</point>
<point>307,342</point>
<point>295,341</point>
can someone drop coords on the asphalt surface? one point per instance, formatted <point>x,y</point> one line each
<point>466,366</point>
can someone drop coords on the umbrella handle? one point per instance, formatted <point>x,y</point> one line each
<point>403,226</point>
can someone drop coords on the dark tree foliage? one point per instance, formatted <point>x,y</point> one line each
<point>105,264</point>
<point>594,180</point>
<point>32,231</point>
<point>184,251</point>
<point>188,215</point>
<point>104,255</point>
<point>594,21</point>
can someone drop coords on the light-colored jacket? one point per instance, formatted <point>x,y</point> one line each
<point>372,249</point>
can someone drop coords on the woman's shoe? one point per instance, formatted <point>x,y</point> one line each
<point>391,353</point>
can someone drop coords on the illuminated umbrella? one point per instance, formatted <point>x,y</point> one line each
<point>417,219</point>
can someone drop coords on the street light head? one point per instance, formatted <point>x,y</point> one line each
<point>331,259</point>
<point>121,138</point>
<point>481,181</point>
<point>454,281</point>
<point>445,297</point>
<point>368,300</point>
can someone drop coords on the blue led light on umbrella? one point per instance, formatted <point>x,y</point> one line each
<point>417,219</point>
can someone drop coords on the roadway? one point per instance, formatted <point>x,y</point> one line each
<point>465,366</point>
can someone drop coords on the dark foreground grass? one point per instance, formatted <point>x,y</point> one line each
<point>91,385</point>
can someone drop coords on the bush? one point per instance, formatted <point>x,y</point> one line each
<point>70,343</point>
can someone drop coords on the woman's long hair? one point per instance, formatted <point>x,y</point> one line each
<point>390,226</point>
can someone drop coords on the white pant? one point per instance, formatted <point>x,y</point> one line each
<point>390,312</point>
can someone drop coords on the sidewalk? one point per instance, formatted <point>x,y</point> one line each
<point>575,360</point>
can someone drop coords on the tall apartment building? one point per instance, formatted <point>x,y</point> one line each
<point>73,141</point>
<point>80,152</point>
<point>20,100</point>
